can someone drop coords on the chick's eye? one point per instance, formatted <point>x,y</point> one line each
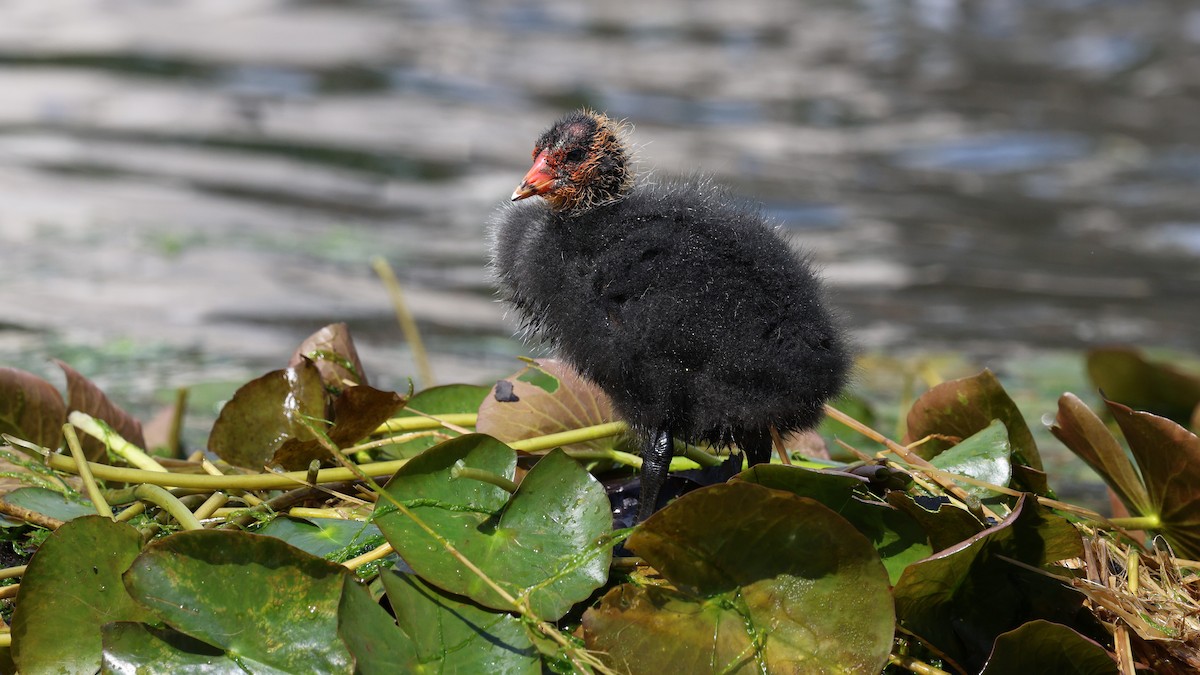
<point>575,154</point>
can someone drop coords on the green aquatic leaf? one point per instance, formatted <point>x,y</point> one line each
<point>1124,375</point>
<point>50,503</point>
<point>267,605</point>
<point>71,589</point>
<point>985,455</point>
<point>545,541</point>
<point>765,581</point>
<point>1045,647</point>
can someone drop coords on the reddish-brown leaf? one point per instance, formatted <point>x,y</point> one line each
<point>83,395</point>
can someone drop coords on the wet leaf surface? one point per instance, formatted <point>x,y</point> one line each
<point>1123,375</point>
<point>543,541</point>
<point>49,503</point>
<point>438,632</point>
<point>962,598</point>
<point>72,588</point>
<point>83,395</point>
<point>265,413</point>
<point>131,647</point>
<point>1087,436</point>
<point>897,538</point>
<point>322,536</point>
<point>31,408</point>
<point>958,409</point>
<point>984,456</point>
<point>1169,457</point>
<point>1046,647</point>
<point>266,604</point>
<point>333,352</point>
<point>545,399</point>
<point>752,566</point>
<point>357,411</point>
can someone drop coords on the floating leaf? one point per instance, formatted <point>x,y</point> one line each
<point>441,400</point>
<point>1169,458</point>
<point>536,409</point>
<point>958,409</point>
<point>83,395</point>
<point>72,588</point>
<point>959,600</point>
<point>438,632</point>
<point>31,408</point>
<point>266,412</point>
<point>767,582</point>
<point>322,536</point>
<point>544,541</point>
<point>266,604</point>
<point>1126,377</point>
<point>897,538</point>
<point>357,411</point>
<point>984,456</point>
<point>1082,431</point>
<point>946,525</point>
<point>50,503</point>
<point>333,352</point>
<point>1045,647</point>
<point>131,647</point>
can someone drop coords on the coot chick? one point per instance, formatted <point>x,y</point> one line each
<point>679,301</point>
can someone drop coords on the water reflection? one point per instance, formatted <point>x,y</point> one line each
<point>215,176</point>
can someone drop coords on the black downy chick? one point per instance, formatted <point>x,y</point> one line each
<point>688,309</point>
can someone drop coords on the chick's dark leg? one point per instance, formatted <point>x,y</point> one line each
<point>756,446</point>
<point>656,459</point>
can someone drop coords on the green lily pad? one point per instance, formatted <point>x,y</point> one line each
<point>767,582</point>
<point>266,604</point>
<point>547,540</point>
<point>985,455</point>
<point>1046,647</point>
<point>530,407</point>
<point>266,412</point>
<point>437,632</point>
<point>958,409</point>
<point>31,408</point>
<point>440,400</point>
<point>960,599</point>
<point>323,536</point>
<point>72,588</point>
<point>946,525</point>
<point>50,503</point>
<point>897,538</point>
<point>130,646</point>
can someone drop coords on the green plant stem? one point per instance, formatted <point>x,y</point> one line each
<point>1137,522</point>
<point>157,495</point>
<point>460,470</point>
<point>258,481</point>
<point>210,505</point>
<point>419,423</point>
<point>176,431</point>
<point>407,323</point>
<point>89,482</point>
<point>115,443</point>
<point>569,437</point>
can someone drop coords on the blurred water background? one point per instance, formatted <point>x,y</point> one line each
<point>188,188</point>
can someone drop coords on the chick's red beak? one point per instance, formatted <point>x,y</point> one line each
<point>538,181</point>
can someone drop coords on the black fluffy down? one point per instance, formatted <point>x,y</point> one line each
<point>682,304</point>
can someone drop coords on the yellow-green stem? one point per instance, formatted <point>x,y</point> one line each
<point>1137,522</point>
<point>89,482</point>
<point>426,423</point>
<point>407,323</point>
<point>460,470</point>
<point>157,495</point>
<point>115,443</point>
